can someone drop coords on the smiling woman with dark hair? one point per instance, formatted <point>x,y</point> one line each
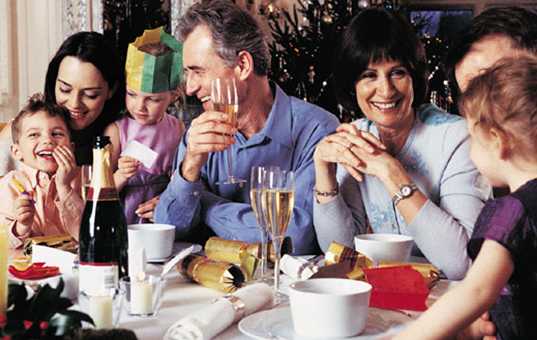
<point>360,46</point>
<point>86,78</point>
<point>405,168</point>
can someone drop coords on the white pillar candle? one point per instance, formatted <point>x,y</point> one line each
<point>4,249</point>
<point>100,310</point>
<point>137,258</point>
<point>141,297</point>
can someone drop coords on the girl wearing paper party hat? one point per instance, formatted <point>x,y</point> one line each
<point>501,109</point>
<point>144,143</point>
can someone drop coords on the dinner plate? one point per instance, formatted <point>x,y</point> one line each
<point>277,324</point>
<point>177,247</point>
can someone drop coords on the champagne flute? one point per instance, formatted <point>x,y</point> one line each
<point>257,185</point>
<point>278,201</point>
<point>225,99</point>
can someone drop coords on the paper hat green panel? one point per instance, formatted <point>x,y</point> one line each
<point>153,74</point>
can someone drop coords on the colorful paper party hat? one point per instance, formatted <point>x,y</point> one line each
<point>153,74</point>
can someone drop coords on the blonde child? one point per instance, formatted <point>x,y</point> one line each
<point>152,69</point>
<point>501,109</point>
<point>43,196</point>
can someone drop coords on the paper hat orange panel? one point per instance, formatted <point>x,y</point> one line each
<point>153,74</point>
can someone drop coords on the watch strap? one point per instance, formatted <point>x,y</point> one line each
<point>402,194</point>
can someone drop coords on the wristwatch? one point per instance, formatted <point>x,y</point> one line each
<point>405,191</point>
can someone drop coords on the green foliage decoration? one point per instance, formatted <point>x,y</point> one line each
<point>45,314</point>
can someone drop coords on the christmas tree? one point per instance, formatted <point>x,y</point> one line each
<point>304,40</point>
<point>125,20</point>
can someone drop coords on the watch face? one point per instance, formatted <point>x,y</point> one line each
<point>406,191</point>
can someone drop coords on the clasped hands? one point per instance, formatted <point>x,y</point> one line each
<point>359,152</point>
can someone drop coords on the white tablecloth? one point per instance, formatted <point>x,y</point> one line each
<point>181,297</point>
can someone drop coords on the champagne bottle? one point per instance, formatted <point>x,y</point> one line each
<point>103,228</point>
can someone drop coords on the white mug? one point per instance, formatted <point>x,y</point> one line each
<point>157,239</point>
<point>329,308</point>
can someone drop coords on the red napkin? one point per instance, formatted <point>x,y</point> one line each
<point>400,287</point>
<point>36,271</point>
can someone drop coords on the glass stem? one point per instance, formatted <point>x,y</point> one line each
<point>277,242</point>
<point>264,253</point>
<point>229,163</point>
<point>277,274</point>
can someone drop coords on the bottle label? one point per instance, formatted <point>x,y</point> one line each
<point>95,278</point>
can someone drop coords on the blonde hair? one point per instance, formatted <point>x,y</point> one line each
<point>505,98</point>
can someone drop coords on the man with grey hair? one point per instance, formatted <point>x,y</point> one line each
<point>221,40</point>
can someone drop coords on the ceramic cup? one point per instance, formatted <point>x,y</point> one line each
<point>329,308</point>
<point>157,239</point>
<point>384,247</point>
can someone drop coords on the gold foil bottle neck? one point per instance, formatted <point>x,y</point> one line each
<point>102,180</point>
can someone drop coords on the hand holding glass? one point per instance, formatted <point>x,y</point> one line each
<point>225,99</point>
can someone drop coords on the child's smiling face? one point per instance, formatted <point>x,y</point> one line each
<point>40,134</point>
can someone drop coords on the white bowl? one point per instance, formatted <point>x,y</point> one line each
<point>329,308</point>
<point>157,239</point>
<point>384,247</point>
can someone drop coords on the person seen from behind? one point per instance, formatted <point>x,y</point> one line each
<point>501,108</point>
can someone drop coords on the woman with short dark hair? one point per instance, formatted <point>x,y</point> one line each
<point>405,167</point>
